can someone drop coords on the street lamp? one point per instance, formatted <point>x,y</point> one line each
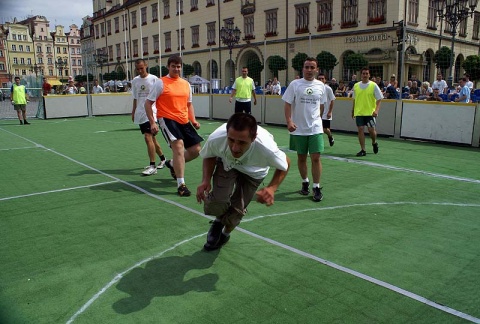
<point>230,37</point>
<point>454,12</point>
<point>101,58</point>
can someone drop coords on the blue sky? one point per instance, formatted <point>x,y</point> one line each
<point>57,12</point>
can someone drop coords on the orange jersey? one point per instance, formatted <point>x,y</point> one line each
<point>172,103</point>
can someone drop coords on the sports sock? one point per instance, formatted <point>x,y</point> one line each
<point>162,157</point>
<point>180,181</point>
<point>316,185</point>
<point>152,163</point>
<point>306,179</point>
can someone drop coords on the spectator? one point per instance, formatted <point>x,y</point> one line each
<point>414,80</point>
<point>469,83</point>
<point>435,95</point>
<point>406,89</point>
<point>391,91</point>
<point>380,83</point>
<point>340,92</point>
<point>268,88</point>
<point>81,88</point>
<point>453,92</point>
<point>464,94</point>
<point>334,85</point>
<point>96,87</point>
<point>276,89</point>
<point>47,88</point>
<point>414,90</point>
<point>440,84</point>
<point>393,81</point>
<point>351,84</point>
<point>425,91</point>
<point>70,88</point>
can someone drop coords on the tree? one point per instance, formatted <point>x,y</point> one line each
<point>254,67</point>
<point>187,70</point>
<point>354,62</point>
<point>277,63</point>
<point>326,61</point>
<point>121,75</point>
<point>164,71</point>
<point>155,71</point>
<point>442,58</point>
<point>297,62</point>
<point>471,65</point>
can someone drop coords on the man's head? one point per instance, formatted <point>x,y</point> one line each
<point>436,91</point>
<point>354,77</point>
<point>141,67</point>
<point>174,65</point>
<point>321,77</point>
<point>365,74</point>
<point>244,72</point>
<point>334,80</point>
<point>462,81</point>
<point>241,132</point>
<point>310,68</point>
<point>439,77</point>
<point>17,80</point>
<point>95,82</point>
<point>466,76</point>
<point>44,80</point>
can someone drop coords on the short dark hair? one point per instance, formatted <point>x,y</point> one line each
<point>140,60</point>
<point>242,121</point>
<point>311,59</point>
<point>17,78</point>
<point>174,59</point>
<point>365,69</point>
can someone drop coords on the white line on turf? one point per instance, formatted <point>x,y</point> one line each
<point>58,190</point>
<point>120,275</point>
<point>19,148</point>
<point>281,245</point>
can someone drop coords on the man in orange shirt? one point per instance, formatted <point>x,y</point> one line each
<point>176,116</point>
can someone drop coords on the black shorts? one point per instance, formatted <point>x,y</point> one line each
<point>145,128</point>
<point>173,131</point>
<point>243,106</point>
<point>326,123</point>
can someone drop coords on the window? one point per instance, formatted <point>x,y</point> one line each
<point>143,13</point>
<point>2,66</point>
<point>145,45</point>
<point>116,22</point>
<point>135,48</point>
<point>97,31</point>
<point>124,20</point>
<point>20,48</point>
<point>39,49</point>
<point>181,39</point>
<point>1,53</point>
<point>248,21</point>
<point>109,28</point>
<point>40,60</point>
<point>119,51</point>
<point>413,11</point>
<point>134,19</point>
<point>179,6</point>
<point>29,61</point>
<point>50,72</point>
<point>24,72</point>
<point>59,50</point>
<point>74,62</point>
<point>324,15</point>
<point>49,49</point>
<point>14,36</point>
<point>271,22</point>
<point>27,48</point>
<point>301,18</point>
<point>126,45</point>
<point>195,36</point>
<point>110,53</point>
<point>73,51</point>
<point>168,42</point>
<point>166,9</point>
<point>349,13</point>
<point>49,60</point>
<point>65,50</point>
<point>376,12</point>
<point>156,44</point>
<point>476,25</point>
<point>193,5</point>
<point>462,29</point>
<point>210,3</point>
<point>154,12</point>
<point>22,61</point>
<point>24,37</point>
<point>79,50</point>
<point>431,15</point>
<point>102,29</point>
<point>14,48</point>
<point>211,36</point>
<point>15,61</point>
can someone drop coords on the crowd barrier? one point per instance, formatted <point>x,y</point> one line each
<point>423,120</point>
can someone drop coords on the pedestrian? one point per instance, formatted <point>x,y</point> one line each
<point>464,93</point>
<point>172,96</point>
<point>96,87</point>
<point>19,98</point>
<point>366,104</point>
<point>46,87</point>
<point>304,103</point>
<point>243,90</point>
<point>236,159</point>
<point>141,86</point>
<point>328,110</point>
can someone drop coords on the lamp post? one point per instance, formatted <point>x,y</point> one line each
<point>101,58</point>
<point>230,37</point>
<point>60,64</point>
<point>454,12</point>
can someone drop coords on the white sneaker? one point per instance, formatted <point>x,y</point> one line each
<point>161,165</point>
<point>150,170</point>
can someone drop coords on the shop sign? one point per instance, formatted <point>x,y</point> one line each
<point>366,38</point>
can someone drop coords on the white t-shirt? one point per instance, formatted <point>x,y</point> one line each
<point>140,89</point>
<point>255,162</point>
<point>330,98</point>
<point>97,89</point>
<point>305,98</point>
<point>440,85</point>
<point>469,84</point>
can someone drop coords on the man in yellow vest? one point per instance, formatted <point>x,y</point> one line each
<point>243,89</point>
<point>19,98</point>
<point>366,104</point>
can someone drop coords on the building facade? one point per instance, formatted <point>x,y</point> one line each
<point>153,30</point>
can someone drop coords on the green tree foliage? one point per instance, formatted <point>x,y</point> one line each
<point>187,70</point>
<point>164,71</point>
<point>277,63</point>
<point>255,67</point>
<point>442,58</point>
<point>354,62</point>
<point>326,61</point>
<point>107,76</point>
<point>297,62</point>
<point>471,65</point>
<point>121,75</point>
<point>113,75</point>
<point>155,70</point>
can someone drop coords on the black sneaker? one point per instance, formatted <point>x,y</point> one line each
<point>214,235</point>
<point>362,153</point>
<point>21,122</point>
<point>331,140</point>
<point>26,122</point>
<point>183,191</point>
<point>375,148</point>
<point>305,191</point>
<point>172,170</point>
<point>317,194</point>
<point>223,240</point>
